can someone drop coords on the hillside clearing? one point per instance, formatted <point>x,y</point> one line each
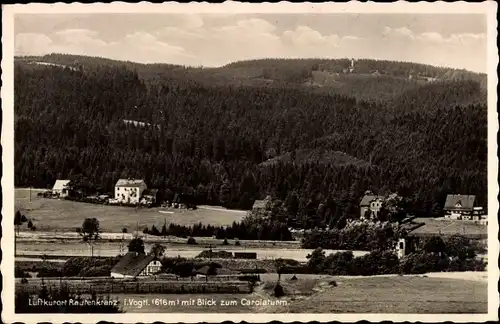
<point>64,215</point>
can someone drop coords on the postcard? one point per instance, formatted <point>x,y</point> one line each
<point>249,162</point>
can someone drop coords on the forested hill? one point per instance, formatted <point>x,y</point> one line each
<point>211,141</point>
<point>370,79</point>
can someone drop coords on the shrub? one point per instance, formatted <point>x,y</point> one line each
<point>88,267</point>
<point>96,271</point>
<point>191,241</point>
<point>225,242</point>
<point>184,269</point>
<point>339,263</point>
<point>250,278</point>
<point>279,291</point>
<point>237,243</point>
<point>49,272</point>
<point>420,262</point>
<point>20,273</point>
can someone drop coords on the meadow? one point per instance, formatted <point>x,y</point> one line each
<point>314,294</point>
<point>397,294</point>
<point>64,215</point>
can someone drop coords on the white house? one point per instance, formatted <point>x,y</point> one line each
<point>61,188</point>
<point>135,264</point>
<point>129,191</point>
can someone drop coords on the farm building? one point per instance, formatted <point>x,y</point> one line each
<point>462,207</point>
<point>370,205</point>
<point>61,188</point>
<point>150,196</point>
<point>129,191</point>
<point>135,264</point>
<point>259,206</point>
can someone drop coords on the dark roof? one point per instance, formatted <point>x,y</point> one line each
<point>61,184</point>
<point>132,264</point>
<point>466,201</point>
<point>368,198</point>
<point>203,270</point>
<point>130,183</point>
<point>449,227</point>
<point>259,204</point>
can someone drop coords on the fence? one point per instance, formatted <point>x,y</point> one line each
<point>156,287</point>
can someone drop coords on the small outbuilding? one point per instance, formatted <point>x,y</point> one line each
<point>61,188</point>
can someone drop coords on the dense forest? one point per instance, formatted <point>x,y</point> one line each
<point>231,144</point>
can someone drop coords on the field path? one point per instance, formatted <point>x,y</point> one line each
<point>222,209</point>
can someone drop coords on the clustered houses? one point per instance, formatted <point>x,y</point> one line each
<point>127,191</point>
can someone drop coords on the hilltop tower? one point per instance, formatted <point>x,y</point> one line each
<point>351,67</point>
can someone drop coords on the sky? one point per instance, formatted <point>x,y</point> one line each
<point>451,40</point>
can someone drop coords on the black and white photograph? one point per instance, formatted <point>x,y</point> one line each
<point>167,161</point>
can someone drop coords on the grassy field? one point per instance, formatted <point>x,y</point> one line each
<point>313,294</point>
<point>397,295</point>
<point>54,214</point>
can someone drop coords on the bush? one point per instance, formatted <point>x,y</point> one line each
<point>191,241</point>
<point>225,242</point>
<point>20,273</point>
<point>89,267</point>
<point>279,291</point>
<point>419,263</point>
<point>49,272</point>
<point>237,243</point>
<point>250,278</point>
<point>96,271</point>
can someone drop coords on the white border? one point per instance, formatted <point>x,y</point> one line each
<point>488,8</point>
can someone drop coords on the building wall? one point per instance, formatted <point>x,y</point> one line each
<point>375,207</point>
<point>129,195</point>
<point>458,214</point>
<point>363,210</point>
<point>152,268</point>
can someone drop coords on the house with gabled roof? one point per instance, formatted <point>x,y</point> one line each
<point>370,205</point>
<point>129,191</point>
<point>460,207</point>
<point>134,264</point>
<point>61,188</point>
